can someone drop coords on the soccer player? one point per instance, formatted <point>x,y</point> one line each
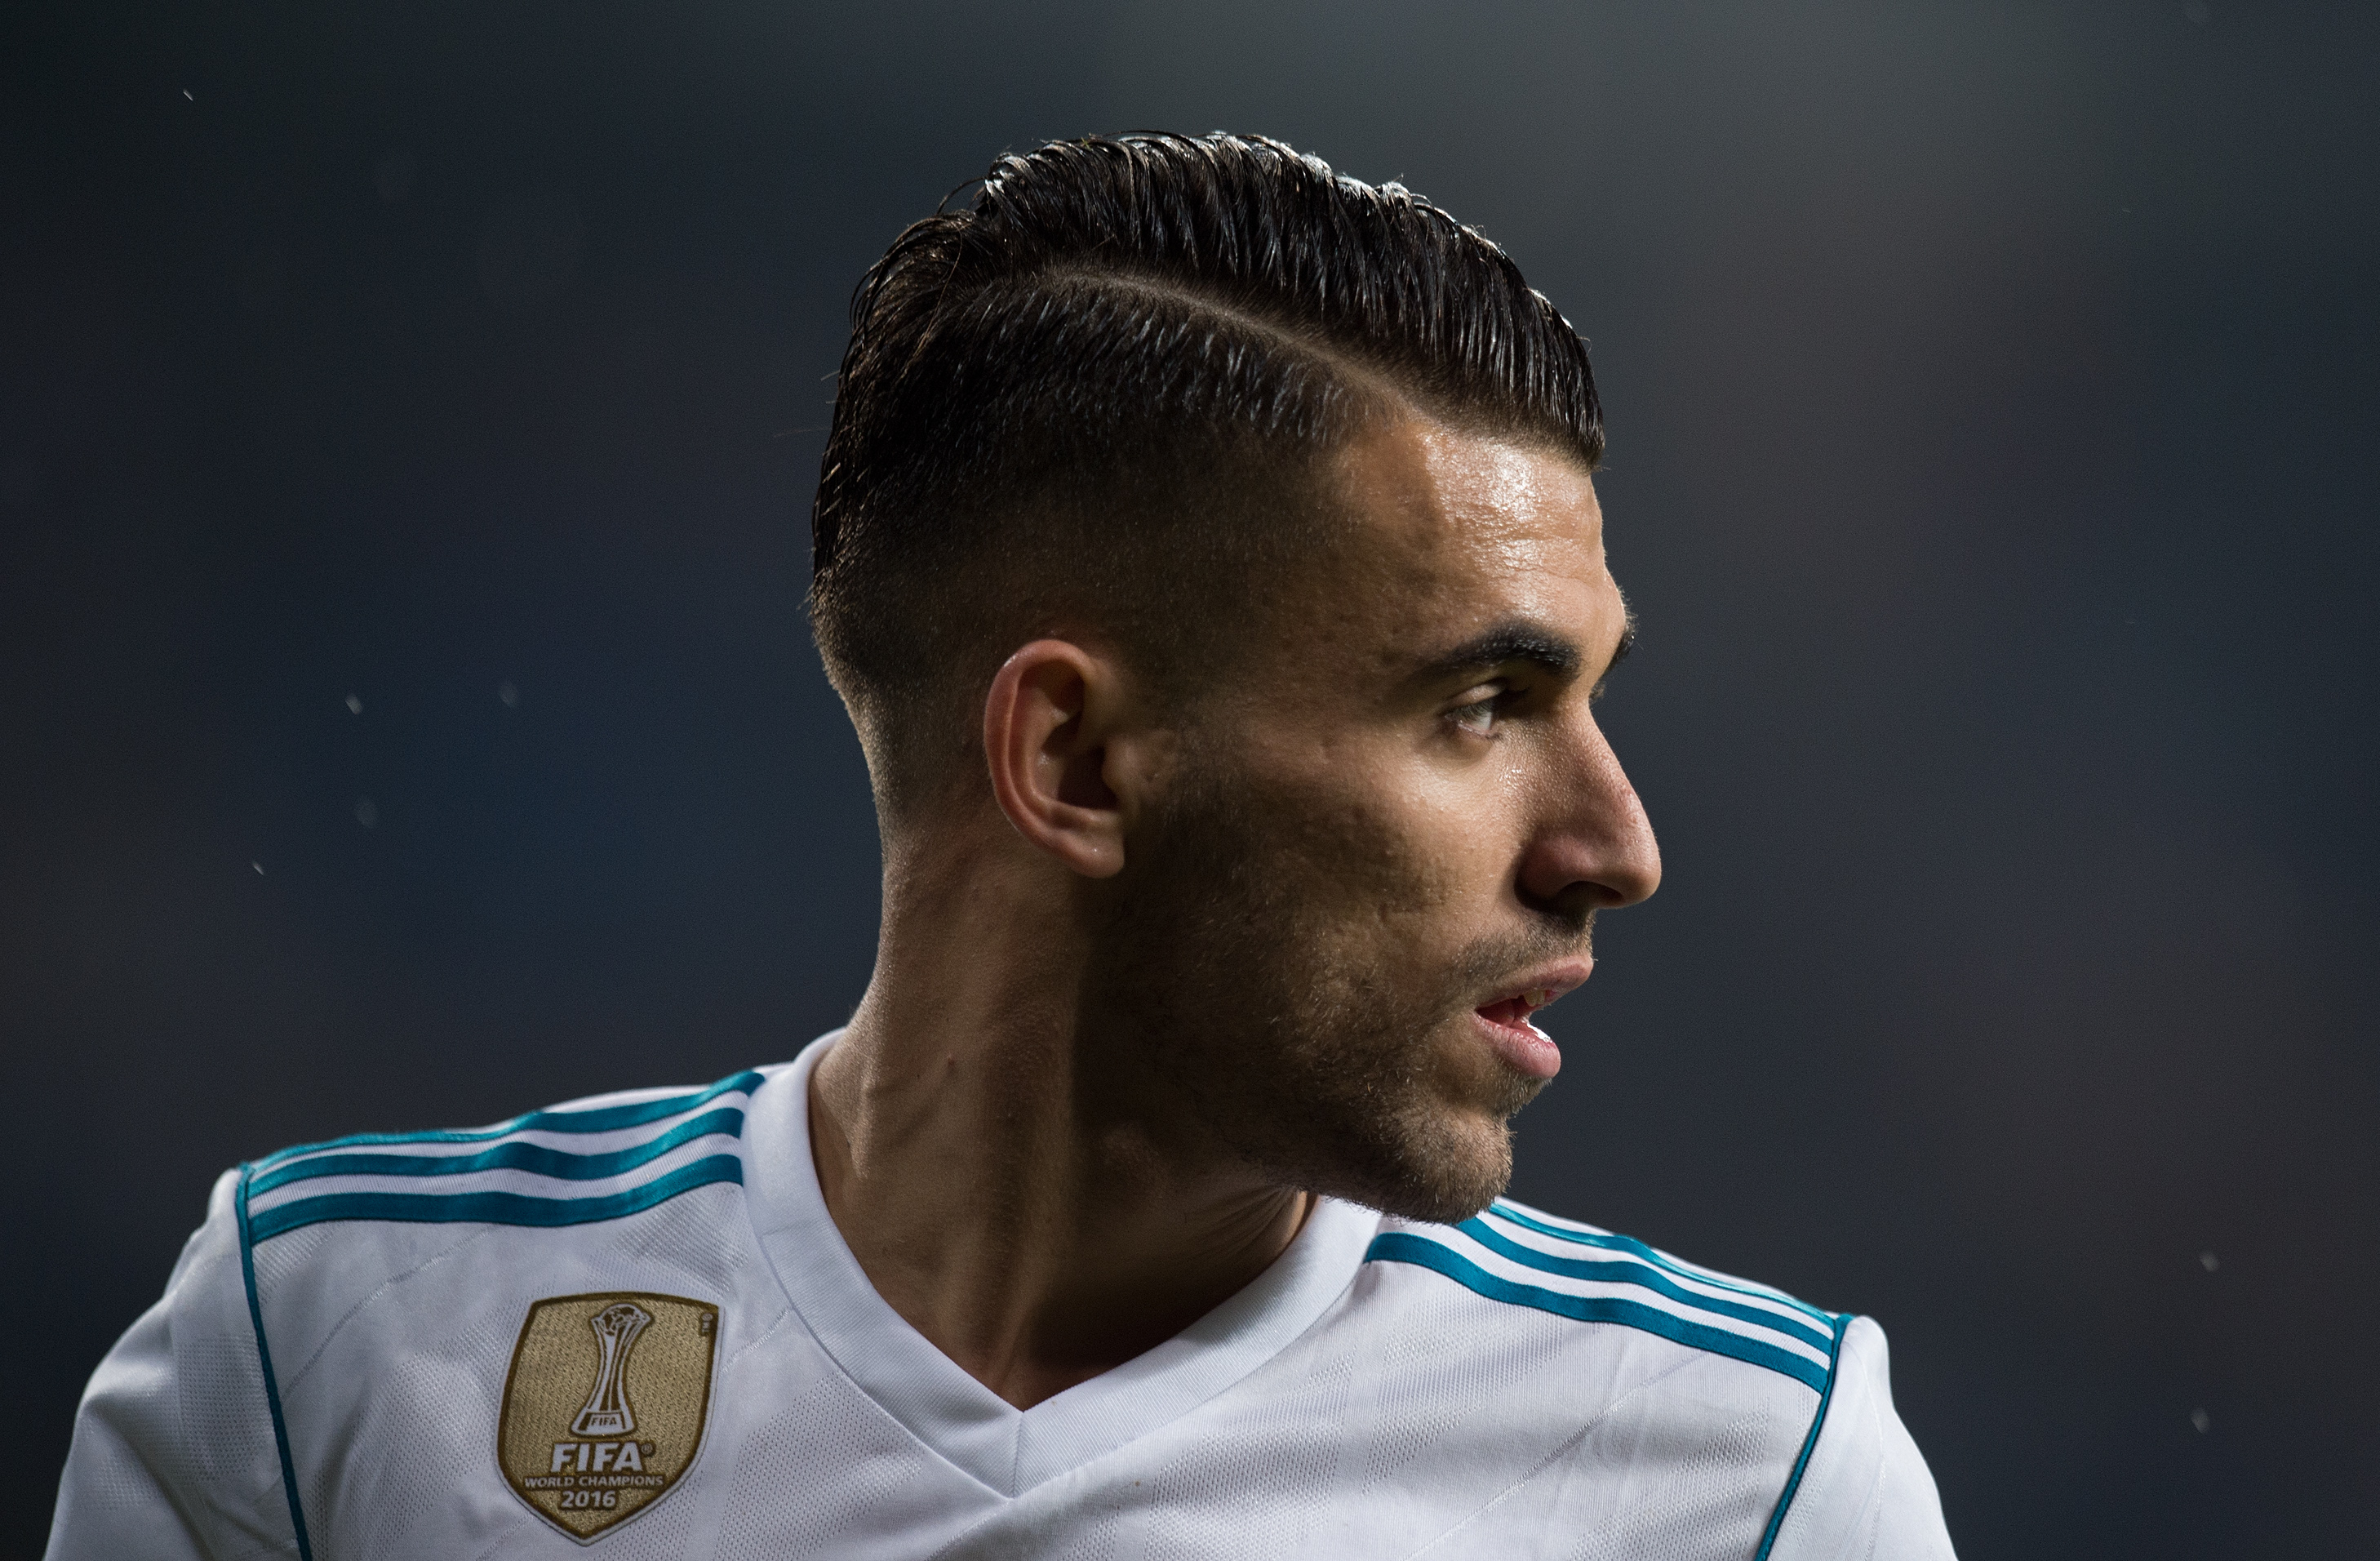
<point>1209,556</point>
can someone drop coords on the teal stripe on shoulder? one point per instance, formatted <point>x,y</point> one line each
<point>1398,1246</point>
<point>492,1208</point>
<point>597,1119</point>
<point>1633,1270</point>
<point>1518,1215</point>
<point>535,1158</point>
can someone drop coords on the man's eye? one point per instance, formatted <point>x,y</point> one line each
<point>1478,717</point>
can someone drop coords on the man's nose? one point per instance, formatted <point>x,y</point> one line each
<point>1594,848</point>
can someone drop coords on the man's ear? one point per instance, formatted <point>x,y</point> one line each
<point>1051,722</point>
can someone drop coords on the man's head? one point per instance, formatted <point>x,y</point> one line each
<point>1101,397</point>
<point>1228,526</point>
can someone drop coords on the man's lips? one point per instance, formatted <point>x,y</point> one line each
<point>1505,1018</point>
<point>1537,990</point>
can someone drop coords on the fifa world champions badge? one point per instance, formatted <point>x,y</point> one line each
<point>604,1405</point>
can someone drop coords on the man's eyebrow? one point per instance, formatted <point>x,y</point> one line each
<point>1508,643</point>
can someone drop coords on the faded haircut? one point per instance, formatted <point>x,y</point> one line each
<point>1097,400</point>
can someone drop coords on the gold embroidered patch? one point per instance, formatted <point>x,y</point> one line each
<point>605,1406</point>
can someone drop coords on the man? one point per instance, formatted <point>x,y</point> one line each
<point>1209,556</point>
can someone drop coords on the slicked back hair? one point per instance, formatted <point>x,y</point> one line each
<point>1098,402</point>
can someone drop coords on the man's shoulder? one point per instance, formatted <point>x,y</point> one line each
<point>1612,1389</point>
<point>371,1291</point>
<point>583,1162</point>
<point>1627,1392</point>
<point>1539,1272</point>
<point>385,1239</point>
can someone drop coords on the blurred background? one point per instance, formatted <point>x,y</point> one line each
<point>406,717</point>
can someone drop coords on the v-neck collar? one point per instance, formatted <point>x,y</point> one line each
<point>1009,1449</point>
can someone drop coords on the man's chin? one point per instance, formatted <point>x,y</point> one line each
<point>1442,1172</point>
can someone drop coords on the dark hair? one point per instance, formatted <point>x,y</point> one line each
<point>1098,396</point>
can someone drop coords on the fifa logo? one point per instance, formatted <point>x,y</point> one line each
<point>607,1412</point>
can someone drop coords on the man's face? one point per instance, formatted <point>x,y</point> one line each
<point>1388,834</point>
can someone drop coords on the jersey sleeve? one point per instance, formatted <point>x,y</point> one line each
<point>174,1456</point>
<point>1864,1491</point>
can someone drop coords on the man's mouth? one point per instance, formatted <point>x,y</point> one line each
<point>1505,1020</point>
<point>1515,1011</point>
<point>1543,987</point>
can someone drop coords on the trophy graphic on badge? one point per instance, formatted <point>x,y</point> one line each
<point>607,1412</point>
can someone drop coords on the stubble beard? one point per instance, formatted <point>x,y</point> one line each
<point>1251,963</point>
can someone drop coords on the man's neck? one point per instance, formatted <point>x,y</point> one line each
<point>1033,1226</point>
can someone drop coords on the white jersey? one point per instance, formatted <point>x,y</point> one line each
<point>629,1324</point>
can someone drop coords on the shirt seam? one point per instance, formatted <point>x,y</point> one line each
<point>1810,1445</point>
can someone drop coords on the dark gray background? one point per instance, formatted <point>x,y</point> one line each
<point>1993,417</point>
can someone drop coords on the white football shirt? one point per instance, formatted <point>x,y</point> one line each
<point>628,1325</point>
